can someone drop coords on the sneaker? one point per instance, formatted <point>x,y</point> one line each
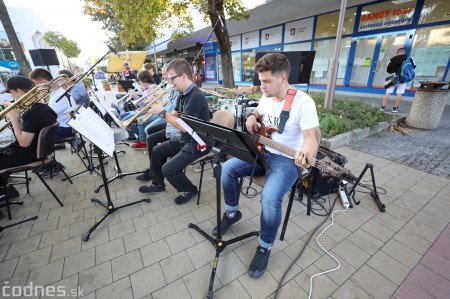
<point>382,108</point>
<point>58,146</point>
<point>139,145</point>
<point>185,197</point>
<point>227,222</point>
<point>395,110</point>
<point>8,193</point>
<point>131,138</point>
<point>259,263</point>
<point>152,188</point>
<point>144,176</point>
<point>53,170</point>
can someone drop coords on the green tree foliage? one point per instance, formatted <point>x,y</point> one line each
<point>136,23</point>
<point>67,46</point>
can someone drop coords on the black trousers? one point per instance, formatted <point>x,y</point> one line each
<point>173,170</point>
<point>155,134</point>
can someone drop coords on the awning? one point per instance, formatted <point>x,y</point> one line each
<point>135,60</point>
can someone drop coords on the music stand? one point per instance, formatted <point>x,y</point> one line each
<point>91,126</point>
<point>236,144</point>
<point>126,84</point>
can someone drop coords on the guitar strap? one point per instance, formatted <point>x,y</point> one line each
<point>284,115</point>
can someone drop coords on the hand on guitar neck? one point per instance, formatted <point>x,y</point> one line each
<point>326,166</point>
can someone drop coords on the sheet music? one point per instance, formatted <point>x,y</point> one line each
<point>98,105</point>
<point>91,126</point>
<point>103,103</point>
<point>191,132</point>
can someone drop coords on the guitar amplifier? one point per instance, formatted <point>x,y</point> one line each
<point>323,186</point>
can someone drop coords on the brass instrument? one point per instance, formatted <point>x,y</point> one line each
<point>129,121</point>
<point>212,92</point>
<point>147,116</point>
<point>36,94</point>
<point>58,82</point>
<point>147,94</point>
<point>72,80</point>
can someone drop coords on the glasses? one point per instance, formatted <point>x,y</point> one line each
<point>173,78</point>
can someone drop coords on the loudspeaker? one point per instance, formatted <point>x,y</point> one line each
<point>323,186</point>
<point>44,57</point>
<point>301,66</point>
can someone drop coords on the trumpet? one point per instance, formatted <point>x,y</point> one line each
<point>149,93</point>
<point>129,121</point>
<point>36,94</point>
<point>58,82</point>
<point>212,92</point>
<point>72,80</point>
<point>147,116</point>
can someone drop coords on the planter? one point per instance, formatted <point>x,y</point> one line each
<point>120,88</point>
<point>106,87</point>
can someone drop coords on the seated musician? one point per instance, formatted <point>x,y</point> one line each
<point>183,151</point>
<point>78,92</point>
<point>151,69</point>
<point>34,119</point>
<point>43,76</point>
<point>299,134</point>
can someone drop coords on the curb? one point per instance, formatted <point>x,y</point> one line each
<point>358,134</point>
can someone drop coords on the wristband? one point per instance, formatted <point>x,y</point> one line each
<point>250,114</point>
<point>162,114</point>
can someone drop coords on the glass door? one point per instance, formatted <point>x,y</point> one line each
<point>386,49</point>
<point>362,60</point>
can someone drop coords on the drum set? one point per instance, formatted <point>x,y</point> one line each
<point>241,106</point>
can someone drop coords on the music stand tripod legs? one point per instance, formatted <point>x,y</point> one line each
<point>374,192</point>
<point>119,174</point>
<point>90,166</point>
<point>110,208</point>
<point>218,243</point>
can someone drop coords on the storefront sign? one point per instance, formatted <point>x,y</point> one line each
<point>250,40</point>
<point>383,15</point>
<point>298,31</point>
<point>210,48</point>
<point>210,65</point>
<point>235,42</point>
<point>271,36</point>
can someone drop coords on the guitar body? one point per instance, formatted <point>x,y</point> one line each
<point>266,132</point>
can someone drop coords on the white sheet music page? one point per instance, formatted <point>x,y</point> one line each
<point>102,101</point>
<point>98,105</point>
<point>91,126</point>
<point>191,132</point>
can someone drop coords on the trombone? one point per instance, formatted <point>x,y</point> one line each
<point>129,121</point>
<point>72,80</point>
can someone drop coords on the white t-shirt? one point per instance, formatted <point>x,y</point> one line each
<point>61,106</point>
<point>303,116</point>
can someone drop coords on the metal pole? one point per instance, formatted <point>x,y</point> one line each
<point>334,63</point>
<point>154,54</point>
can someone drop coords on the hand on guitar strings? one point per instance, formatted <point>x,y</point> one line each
<point>301,159</point>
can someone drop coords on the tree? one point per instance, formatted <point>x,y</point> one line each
<point>67,46</point>
<point>12,37</point>
<point>141,21</point>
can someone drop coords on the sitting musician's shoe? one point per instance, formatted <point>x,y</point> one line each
<point>54,170</point>
<point>139,145</point>
<point>131,138</point>
<point>259,263</point>
<point>185,197</point>
<point>144,176</point>
<point>8,193</point>
<point>153,188</point>
<point>227,222</point>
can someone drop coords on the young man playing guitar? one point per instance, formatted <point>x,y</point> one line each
<point>299,134</point>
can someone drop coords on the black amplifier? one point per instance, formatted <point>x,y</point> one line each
<point>323,186</point>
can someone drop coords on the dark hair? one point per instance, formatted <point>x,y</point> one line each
<point>148,66</point>
<point>276,63</point>
<point>145,77</point>
<point>180,66</point>
<point>66,72</point>
<point>40,73</point>
<point>401,51</point>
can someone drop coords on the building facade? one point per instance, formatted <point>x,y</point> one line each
<point>371,35</point>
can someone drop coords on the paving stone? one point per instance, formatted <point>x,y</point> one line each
<point>126,264</point>
<point>8,268</point>
<point>401,253</point>
<point>69,285</point>
<point>180,241</point>
<point>147,280</point>
<point>365,241</point>
<point>232,290</point>
<point>351,253</point>
<point>121,229</point>
<point>373,282</point>
<point>95,278</point>
<point>109,251</point>
<point>201,253</point>
<point>45,226</point>
<point>413,241</point>
<point>137,240</point>
<point>144,221</point>
<point>154,252</point>
<point>379,229</point>
<point>117,290</point>
<point>53,237</point>
<point>98,236</point>
<point>12,236</point>
<point>47,274</point>
<point>326,263</point>
<point>21,247</point>
<point>409,290</point>
<point>350,290</point>
<point>430,282</point>
<point>197,282</point>
<point>176,266</point>
<point>229,268</point>
<point>259,288</point>
<point>389,267</point>
<point>78,262</point>
<point>65,248</point>
<point>33,260</point>
<point>161,230</point>
<point>174,290</point>
<point>322,286</point>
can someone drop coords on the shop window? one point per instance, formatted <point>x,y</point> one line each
<point>297,47</point>
<point>248,65</point>
<point>431,51</point>
<point>8,54</point>
<point>324,52</point>
<point>435,11</point>
<point>327,24</point>
<point>236,58</point>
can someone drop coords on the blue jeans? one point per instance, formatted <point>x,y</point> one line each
<point>127,115</point>
<point>279,179</point>
<point>142,125</point>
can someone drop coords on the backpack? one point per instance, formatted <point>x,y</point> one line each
<point>406,71</point>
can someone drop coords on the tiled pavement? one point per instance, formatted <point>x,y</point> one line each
<point>147,250</point>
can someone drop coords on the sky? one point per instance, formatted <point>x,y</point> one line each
<point>66,16</point>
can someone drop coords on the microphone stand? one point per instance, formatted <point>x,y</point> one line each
<point>66,92</point>
<point>201,50</point>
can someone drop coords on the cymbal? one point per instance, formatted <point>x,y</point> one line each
<point>214,93</point>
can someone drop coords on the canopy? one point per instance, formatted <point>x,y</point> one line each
<point>135,60</point>
<point>4,69</point>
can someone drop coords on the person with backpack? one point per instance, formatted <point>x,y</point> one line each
<point>403,66</point>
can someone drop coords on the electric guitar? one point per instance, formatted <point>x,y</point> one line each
<point>326,166</point>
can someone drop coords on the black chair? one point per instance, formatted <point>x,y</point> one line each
<point>44,155</point>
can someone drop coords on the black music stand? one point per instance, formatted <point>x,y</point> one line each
<point>237,144</point>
